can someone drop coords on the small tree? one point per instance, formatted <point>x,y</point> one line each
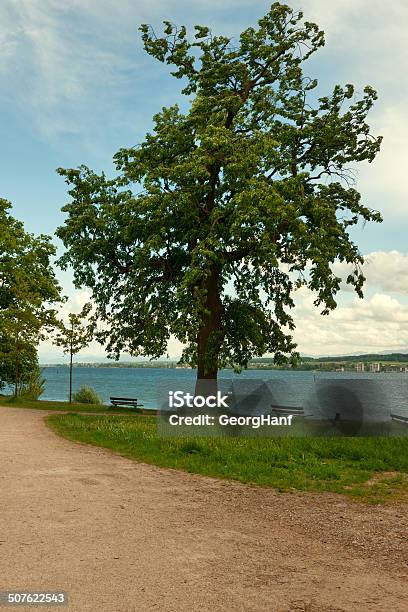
<point>245,197</point>
<point>74,337</point>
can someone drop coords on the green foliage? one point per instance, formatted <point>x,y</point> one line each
<point>245,198</point>
<point>28,282</point>
<point>87,395</point>
<point>18,359</point>
<point>28,290</point>
<point>366,357</point>
<point>34,385</point>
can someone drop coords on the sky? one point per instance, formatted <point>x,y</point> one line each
<point>77,85</point>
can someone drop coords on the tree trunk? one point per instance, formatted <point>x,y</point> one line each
<point>16,381</point>
<point>70,378</point>
<point>17,369</point>
<point>209,336</point>
<point>71,353</point>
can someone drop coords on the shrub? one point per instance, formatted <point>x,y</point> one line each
<point>34,385</point>
<point>86,395</point>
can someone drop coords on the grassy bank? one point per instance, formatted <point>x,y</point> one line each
<point>373,469</point>
<point>7,400</point>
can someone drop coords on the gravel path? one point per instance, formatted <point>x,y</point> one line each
<point>124,536</point>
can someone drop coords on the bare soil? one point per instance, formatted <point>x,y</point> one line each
<point>124,536</point>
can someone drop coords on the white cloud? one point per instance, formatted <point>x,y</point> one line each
<point>387,271</point>
<point>384,181</point>
<point>384,271</point>
<point>74,304</point>
<point>378,322</point>
<point>370,325</point>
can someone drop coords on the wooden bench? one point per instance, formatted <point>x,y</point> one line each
<point>399,418</point>
<point>125,402</point>
<point>286,410</point>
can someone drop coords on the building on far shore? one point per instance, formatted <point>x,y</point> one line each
<point>360,367</point>
<point>392,368</point>
<point>375,367</point>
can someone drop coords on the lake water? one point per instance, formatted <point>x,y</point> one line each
<point>377,394</point>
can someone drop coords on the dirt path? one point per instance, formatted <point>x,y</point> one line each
<point>123,536</point>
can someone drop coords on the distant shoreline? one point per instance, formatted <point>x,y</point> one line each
<point>379,366</point>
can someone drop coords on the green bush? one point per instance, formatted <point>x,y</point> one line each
<point>34,385</point>
<point>86,395</point>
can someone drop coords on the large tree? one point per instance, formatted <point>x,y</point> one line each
<point>28,292</point>
<point>224,210</point>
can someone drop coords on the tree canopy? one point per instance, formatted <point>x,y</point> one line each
<point>217,217</point>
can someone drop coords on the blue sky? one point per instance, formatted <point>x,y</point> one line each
<point>77,86</point>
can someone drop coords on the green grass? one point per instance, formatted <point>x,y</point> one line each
<point>339,465</point>
<point>7,400</point>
